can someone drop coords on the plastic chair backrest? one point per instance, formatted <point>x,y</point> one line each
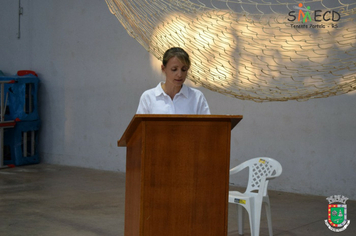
<point>261,170</point>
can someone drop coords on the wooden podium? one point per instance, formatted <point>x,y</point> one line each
<point>177,174</point>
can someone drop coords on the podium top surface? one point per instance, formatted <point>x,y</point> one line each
<point>138,118</point>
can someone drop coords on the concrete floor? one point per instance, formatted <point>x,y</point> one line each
<point>53,200</point>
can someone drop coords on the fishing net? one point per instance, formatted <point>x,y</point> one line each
<point>260,50</point>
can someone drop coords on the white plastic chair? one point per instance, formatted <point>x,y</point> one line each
<point>261,170</point>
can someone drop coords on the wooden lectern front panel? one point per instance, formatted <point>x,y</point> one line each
<point>185,178</point>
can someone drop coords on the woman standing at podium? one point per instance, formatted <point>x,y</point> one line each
<point>172,96</point>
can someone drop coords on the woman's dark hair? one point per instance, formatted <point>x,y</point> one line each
<point>176,52</point>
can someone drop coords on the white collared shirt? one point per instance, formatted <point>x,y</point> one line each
<point>187,101</point>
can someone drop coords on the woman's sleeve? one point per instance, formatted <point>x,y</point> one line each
<point>204,107</point>
<point>143,107</point>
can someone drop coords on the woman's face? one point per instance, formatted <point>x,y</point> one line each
<point>176,72</point>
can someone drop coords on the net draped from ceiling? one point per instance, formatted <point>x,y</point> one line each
<point>260,50</point>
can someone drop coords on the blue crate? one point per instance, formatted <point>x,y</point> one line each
<point>14,142</point>
<point>22,97</point>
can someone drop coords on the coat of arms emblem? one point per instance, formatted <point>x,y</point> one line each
<point>337,213</point>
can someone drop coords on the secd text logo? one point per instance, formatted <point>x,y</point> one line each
<point>303,15</point>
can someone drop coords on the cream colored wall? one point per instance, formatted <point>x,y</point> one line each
<point>93,73</point>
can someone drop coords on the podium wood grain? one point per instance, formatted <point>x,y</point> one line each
<point>177,174</point>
